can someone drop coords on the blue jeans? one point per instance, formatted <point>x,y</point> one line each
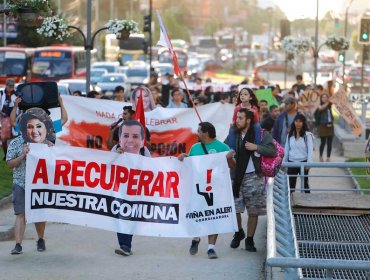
<point>124,241</point>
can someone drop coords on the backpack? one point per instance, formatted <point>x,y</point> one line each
<point>270,165</point>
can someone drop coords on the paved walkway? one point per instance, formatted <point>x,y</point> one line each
<point>75,252</point>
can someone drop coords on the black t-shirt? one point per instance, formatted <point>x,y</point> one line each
<point>7,109</point>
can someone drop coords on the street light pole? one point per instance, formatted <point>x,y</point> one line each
<point>88,42</point>
<point>316,52</point>
<point>88,47</point>
<point>345,36</point>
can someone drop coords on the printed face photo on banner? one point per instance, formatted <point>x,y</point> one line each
<point>36,126</point>
<point>148,100</point>
<point>131,138</point>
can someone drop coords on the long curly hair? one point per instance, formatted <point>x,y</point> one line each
<point>41,115</point>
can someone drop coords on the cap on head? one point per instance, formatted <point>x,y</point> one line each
<point>10,82</point>
<point>289,100</point>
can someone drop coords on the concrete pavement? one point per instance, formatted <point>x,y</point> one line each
<point>75,252</point>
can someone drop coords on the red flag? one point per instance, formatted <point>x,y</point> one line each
<point>139,114</point>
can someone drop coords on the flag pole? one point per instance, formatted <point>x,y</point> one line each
<point>189,95</point>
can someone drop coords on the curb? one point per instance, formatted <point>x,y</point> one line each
<point>5,201</point>
<point>6,231</point>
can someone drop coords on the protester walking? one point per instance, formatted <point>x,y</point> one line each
<point>208,145</point>
<point>326,126</point>
<point>248,185</point>
<point>36,127</point>
<point>7,100</point>
<point>131,140</point>
<point>283,123</point>
<point>298,148</point>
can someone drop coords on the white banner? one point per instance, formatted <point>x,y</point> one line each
<point>173,131</point>
<point>130,193</point>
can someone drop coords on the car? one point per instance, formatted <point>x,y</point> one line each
<point>164,68</point>
<point>353,78</point>
<point>108,82</point>
<point>63,89</point>
<point>96,74</point>
<point>110,66</point>
<point>323,77</point>
<point>135,63</point>
<point>137,75</point>
<point>76,84</point>
<point>274,65</point>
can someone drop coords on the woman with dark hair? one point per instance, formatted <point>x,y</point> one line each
<point>298,148</point>
<point>326,127</point>
<point>36,127</point>
<point>247,99</point>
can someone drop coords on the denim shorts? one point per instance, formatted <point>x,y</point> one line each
<point>252,195</point>
<point>18,200</point>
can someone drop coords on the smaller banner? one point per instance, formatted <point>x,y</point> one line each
<point>345,109</point>
<point>130,193</point>
<point>266,94</point>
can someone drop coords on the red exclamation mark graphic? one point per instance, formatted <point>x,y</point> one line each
<point>209,176</point>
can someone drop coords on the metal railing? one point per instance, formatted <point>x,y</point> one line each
<point>282,244</point>
<point>346,165</point>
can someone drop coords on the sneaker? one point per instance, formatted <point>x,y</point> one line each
<point>249,245</point>
<point>238,236</point>
<point>212,254</point>
<point>41,245</point>
<point>194,247</point>
<point>17,249</point>
<point>123,252</point>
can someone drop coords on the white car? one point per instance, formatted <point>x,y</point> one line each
<point>96,74</point>
<point>111,66</point>
<point>76,84</point>
<point>108,82</point>
<point>137,75</point>
<point>164,68</point>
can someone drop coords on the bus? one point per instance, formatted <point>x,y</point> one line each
<point>15,63</point>
<point>59,62</point>
<point>134,48</point>
<point>164,56</point>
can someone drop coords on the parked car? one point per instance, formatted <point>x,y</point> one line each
<point>274,65</point>
<point>108,82</point>
<point>96,74</point>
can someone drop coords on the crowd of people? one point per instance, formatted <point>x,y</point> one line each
<point>287,122</point>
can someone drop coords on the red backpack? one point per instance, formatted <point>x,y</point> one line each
<point>270,165</point>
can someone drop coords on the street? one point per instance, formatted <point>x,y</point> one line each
<point>75,252</point>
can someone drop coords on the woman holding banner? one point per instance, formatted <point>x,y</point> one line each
<point>36,127</point>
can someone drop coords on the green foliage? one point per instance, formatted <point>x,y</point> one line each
<point>211,27</point>
<point>6,178</point>
<point>175,28</point>
<point>363,182</point>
